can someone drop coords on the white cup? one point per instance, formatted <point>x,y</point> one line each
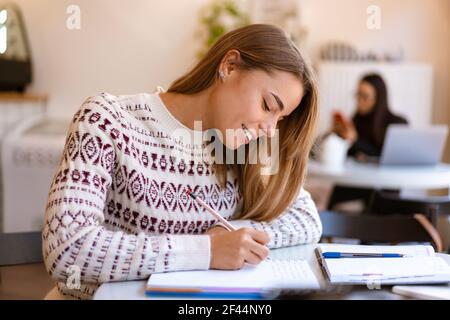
<point>334,152</point>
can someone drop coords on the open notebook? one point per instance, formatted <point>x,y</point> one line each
<point>251,282</point>
<point>421,265</point>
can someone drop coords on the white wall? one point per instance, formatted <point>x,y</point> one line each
<point>421,28</point>
<point>122,47</point>
<point>132,46</point>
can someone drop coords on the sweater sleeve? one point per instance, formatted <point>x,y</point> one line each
<point>299,224</point>
<point>74,232</point>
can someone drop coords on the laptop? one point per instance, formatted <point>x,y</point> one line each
<point>413,146</point>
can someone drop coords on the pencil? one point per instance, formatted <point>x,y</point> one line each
<point>211,210</point>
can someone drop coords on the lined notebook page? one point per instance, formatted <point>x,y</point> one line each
<point>420,266</point>
<point>268,274</point>
<point>388,268</point>
<point>293,274</point>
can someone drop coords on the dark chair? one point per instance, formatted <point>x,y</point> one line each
<point>20,248</point>
<point>392,203</point>
<point>342,194</point>
<point>371,228</point>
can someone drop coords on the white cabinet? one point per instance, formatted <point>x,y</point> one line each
<point>30,154</point>
<point>15,107</point>
<point>30,149</point>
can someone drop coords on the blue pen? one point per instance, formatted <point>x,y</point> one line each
<point>336,255</point>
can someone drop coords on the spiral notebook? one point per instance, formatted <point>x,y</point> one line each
<point>419,266</point>
<point>251,282</point>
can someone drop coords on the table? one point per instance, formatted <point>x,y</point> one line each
<point>412,181</point>
<point>370,175</point>
<point>134,290</point>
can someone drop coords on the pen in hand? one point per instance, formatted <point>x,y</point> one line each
<point>211,210</point>
<point>224,222</point>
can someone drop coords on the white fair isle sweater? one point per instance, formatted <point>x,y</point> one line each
<point>117,208</point>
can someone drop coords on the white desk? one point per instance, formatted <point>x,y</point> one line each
<point>368,175</point>
<point>134,290</point>
<point>412,181</point>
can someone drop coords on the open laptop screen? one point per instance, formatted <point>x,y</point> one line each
<point>413,146</point>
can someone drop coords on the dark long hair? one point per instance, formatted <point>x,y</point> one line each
<point>381,115</point>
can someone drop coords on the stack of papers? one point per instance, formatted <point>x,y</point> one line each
<point>251,282</point>
<point>419,265</point>
<point>434,292</point>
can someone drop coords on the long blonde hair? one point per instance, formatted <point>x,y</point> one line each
<point>267,48</point>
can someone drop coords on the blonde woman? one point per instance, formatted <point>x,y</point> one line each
<point>118,209</point>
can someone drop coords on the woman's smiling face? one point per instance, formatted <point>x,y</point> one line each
<point>251,102</point>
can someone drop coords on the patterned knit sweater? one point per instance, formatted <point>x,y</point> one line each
<point>117,208</point>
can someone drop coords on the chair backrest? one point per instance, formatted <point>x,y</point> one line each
<point>20,248</point>
<point>392,203</point>
<point>378,228</point>
<point>342,194</point>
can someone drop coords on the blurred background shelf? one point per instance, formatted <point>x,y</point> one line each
<point>22,97</point>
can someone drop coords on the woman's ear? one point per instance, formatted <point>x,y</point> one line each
<point>230,62</point>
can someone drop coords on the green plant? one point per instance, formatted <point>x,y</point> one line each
<point>218,18</point>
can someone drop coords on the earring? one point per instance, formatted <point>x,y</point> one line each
<point>221,75</point>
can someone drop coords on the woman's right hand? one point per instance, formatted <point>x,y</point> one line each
<point>231,249</point>
<point>344,128</point>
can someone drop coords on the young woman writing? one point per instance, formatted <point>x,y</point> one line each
<point>118,207</point>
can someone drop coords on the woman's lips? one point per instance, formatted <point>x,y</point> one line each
<point>248,134</point>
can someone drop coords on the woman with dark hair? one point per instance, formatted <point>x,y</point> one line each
<point>367,130</point>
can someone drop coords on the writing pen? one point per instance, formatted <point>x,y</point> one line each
<point>225,223</point>
<point>336,255</point>
<point>211,210</point>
